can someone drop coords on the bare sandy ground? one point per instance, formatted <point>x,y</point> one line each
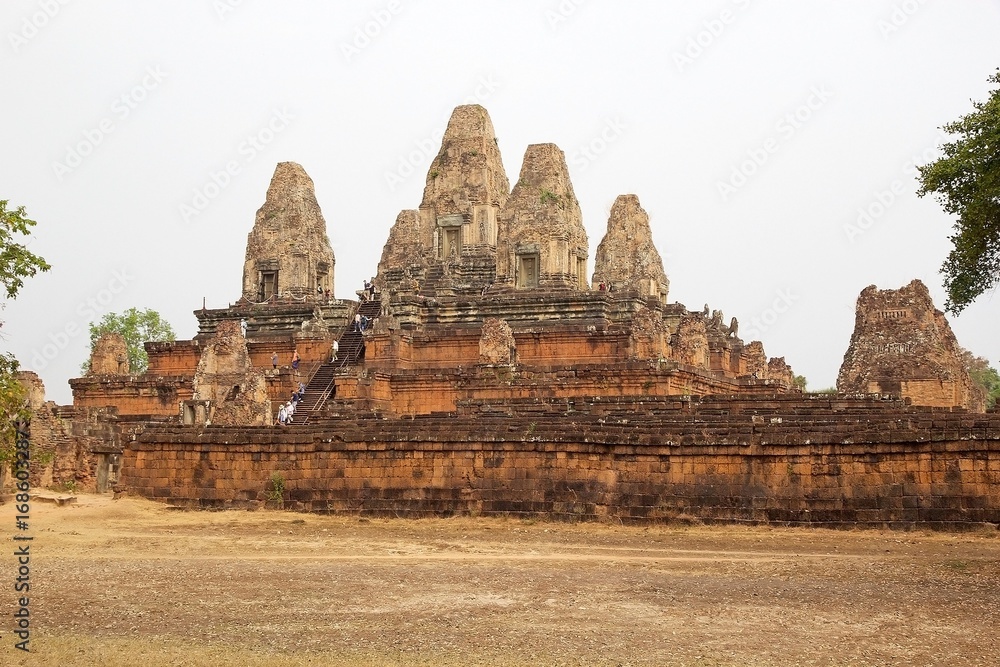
<point>129,582</point>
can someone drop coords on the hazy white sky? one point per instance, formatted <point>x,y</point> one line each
<point>772,143</point>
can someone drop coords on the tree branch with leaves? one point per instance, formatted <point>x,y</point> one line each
<point>136,327</point>
<point>17,264</point>
<point>966,182</point>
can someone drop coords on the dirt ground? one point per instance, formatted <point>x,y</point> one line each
<point>129,582</point>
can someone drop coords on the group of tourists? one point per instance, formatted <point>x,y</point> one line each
<point>286,410</point>
<point>368,292</point>
<point>361,323</point>
<point>285,413</point>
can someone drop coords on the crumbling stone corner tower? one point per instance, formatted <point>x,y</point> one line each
<point>902,345</point>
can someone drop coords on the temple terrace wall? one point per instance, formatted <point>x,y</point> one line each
<point>802,461</point>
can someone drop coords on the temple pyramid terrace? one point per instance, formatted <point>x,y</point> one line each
<point>488,372</point>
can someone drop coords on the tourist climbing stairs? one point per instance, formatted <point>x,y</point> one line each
<point>350,349</point>
<point>370,309</point>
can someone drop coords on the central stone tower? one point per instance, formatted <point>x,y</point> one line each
<point>450,242</point>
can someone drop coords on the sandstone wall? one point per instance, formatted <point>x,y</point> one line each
<point>133,396</point>
<point>932,468</point>
<point>173,358</point>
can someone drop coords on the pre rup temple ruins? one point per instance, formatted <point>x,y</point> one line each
<point>499,375</point>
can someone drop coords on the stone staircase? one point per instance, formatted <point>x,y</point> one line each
<point>350,351</point>
<point>370,309</point>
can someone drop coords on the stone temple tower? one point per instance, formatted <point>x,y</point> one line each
<point>466,188</point>
<point>542,241</point>
<point>626,256</point>
<point>288,251</point>
<point>450,241</point>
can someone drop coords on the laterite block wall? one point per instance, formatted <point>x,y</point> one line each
<point>932,468</point>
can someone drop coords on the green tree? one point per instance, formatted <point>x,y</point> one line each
<point>136,327</point>
<point>966,180</point>
<point>16,264</point>
<point>983,375</point>
<point>13,407</point>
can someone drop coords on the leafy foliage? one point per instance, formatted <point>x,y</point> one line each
<point>13,406</point>
<point>549,197</point>
<point>136,327</point>
<point>966,180</point>
<point>16,264</point>
<point>983,375</point>
<point>276,488</point>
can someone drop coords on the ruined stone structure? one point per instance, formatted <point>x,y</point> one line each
<point>903,346</point>
<point>433,344</point>
<point>542,242</point>
<point>449,243</point>
<point>234,391</point>
<point>626,257</point>
<point>225,375</point>
<point>490,375</point>
<point>692,341</point>
<point>466,188</point>
<point>650,336</point>
<point>288,251</point>
<point>72,448</point>
<point>109,355</point>
<point>756,361</point>
<point>497,346</point>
